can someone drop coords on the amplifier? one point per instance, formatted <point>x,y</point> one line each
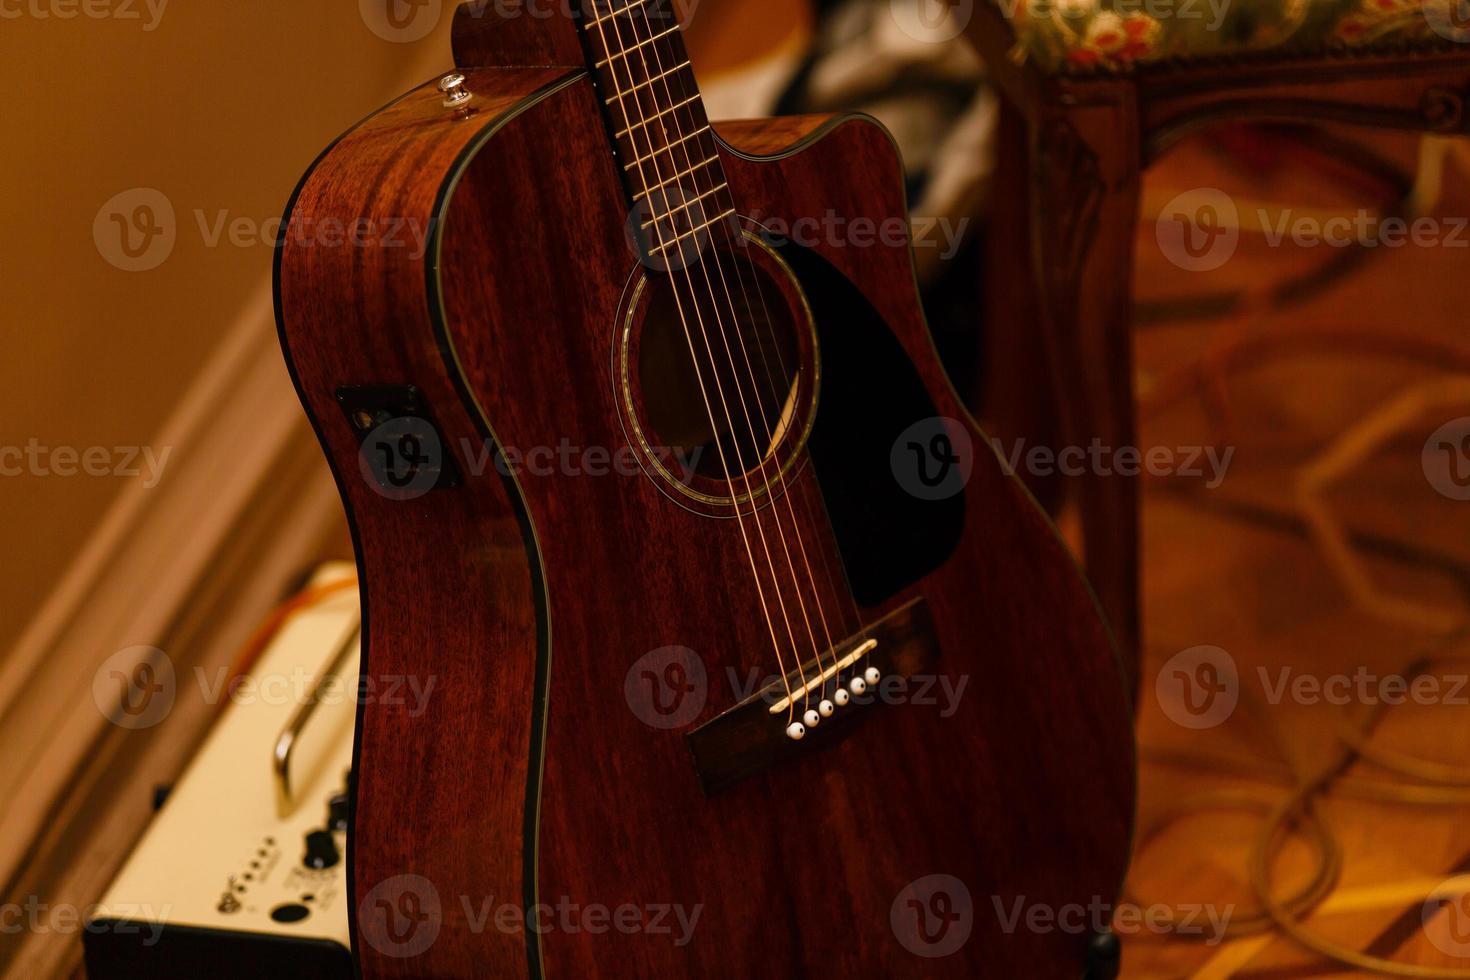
<point>242,873</point>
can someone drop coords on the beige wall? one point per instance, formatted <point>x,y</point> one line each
<point>219,107</point>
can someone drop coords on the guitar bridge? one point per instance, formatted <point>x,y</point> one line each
<point>751,737</point>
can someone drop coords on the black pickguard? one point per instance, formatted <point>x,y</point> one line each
<point>870,395</point>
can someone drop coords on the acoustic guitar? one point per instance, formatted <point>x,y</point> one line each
<point>737,652</point>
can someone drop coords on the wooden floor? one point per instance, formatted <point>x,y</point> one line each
<point>1236,567</point>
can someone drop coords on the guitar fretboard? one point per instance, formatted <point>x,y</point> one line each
<point>666,150</point>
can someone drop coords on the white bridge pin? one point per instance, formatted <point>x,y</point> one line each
<point>857,685</point>
<point>825,709</point>
<point>811,718</point>
<point>840,696</point>
<point>871,675</point>
<point>795,730</point>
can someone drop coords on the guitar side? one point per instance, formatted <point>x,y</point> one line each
<point>527,779</point>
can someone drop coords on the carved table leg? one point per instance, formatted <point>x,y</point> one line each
<point>1084,200</point>
<point>1019,405</point>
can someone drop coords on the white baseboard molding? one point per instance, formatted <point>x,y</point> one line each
<point>188,566</point>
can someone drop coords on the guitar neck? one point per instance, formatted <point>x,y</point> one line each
<point>656,120</point>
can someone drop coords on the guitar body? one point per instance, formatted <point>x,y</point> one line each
<point>575,621</point>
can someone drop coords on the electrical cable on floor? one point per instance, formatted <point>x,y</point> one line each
<point>1419,782</point>
<point>261,636</point>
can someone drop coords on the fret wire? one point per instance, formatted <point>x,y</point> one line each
<point>663,149</point>
<point>692,201</point>
<point>665,76</point>
<point>656,250</point>
<point>627,51</point>
<point>646,82</point>
<point>683,173</point>
<point>613,13</point>
<point>674,108</point>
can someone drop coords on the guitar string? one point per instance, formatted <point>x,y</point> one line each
<point>772,386</point>
<point>864,630</point>
<point>699,224</point>
<point>640,43</point>
<point>599,21</point>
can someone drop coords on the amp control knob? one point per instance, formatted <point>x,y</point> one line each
<point>321,850</point>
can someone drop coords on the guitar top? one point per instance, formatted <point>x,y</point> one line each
<point>748,656</point>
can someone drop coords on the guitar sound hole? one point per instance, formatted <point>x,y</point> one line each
<point>722,373</point>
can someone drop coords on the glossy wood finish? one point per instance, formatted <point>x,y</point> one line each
<point>448,588</point>
<point>534,777</point>
<point>741,742</point>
